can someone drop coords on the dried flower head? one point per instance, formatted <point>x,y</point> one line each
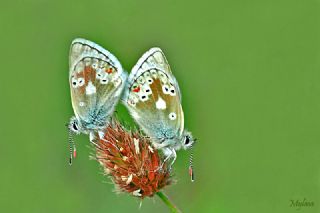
<point>131,161</point>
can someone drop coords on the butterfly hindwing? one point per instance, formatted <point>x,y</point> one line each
<point>153,98</point>
<point>96,80</point>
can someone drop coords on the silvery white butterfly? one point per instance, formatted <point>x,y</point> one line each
<point>96,81</point>
<point>153,98</point>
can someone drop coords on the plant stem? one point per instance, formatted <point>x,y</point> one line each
<point>166,200</point>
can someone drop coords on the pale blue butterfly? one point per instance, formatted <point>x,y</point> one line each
<point>153,98</point>
<point>96,82</point>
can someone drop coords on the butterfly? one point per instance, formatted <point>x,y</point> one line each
<point>96,81</point>
<point>153,98</point>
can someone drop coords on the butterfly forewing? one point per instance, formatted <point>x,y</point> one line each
<point>153,97</point>
<point>96,80</point>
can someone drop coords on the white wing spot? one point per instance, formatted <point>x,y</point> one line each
<point>161,104</point>
<point>172,91</point>
<point>99,75</point>
<point>74,83</point>
<point>147,90</point>
<point>90,88</point>
<point>149,80</point>
<point>172,116</point>
<point>104,80</point>
<point>165,89</point>
<point>80,82</point>
<point>82,104</point>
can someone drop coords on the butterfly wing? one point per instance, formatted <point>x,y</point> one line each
<point>153,97</point>
<point>96,80</point>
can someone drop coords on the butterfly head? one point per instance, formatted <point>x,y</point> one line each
<point>74,126</point>
<point>187,143</point>
<point>187,140</point>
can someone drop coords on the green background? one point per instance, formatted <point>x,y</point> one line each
<point>249,75</point>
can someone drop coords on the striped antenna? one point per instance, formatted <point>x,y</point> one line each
<point>72,147</point>
<point>191,171</point>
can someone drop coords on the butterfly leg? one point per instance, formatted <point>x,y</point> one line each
<point>173,156</point>
<point>174,153</point>
<point>93,138</point>
<point>169,153</point>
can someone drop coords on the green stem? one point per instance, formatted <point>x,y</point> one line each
<point>166,200</point>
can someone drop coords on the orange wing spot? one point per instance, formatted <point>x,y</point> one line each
<point>109,70</point>
<point>137,89</point>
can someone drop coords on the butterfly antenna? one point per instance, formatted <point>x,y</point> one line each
<point>191,171</point>
<point>72,147</point>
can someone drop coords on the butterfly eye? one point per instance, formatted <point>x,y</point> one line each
<point>187,140</point>
<point>75,126</point>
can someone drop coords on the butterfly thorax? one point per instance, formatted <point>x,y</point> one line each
<point>183,141</point>
<point>166,140</point>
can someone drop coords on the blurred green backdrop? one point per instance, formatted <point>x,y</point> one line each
<point>249,74</point>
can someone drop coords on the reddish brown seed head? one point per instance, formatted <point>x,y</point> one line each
<point>132,162</point>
